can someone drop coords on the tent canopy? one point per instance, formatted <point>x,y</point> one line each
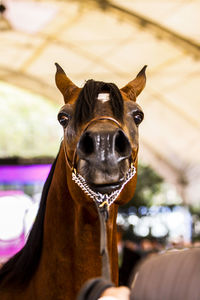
<point>112,42</point>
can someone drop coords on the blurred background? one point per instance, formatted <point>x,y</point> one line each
<point>109,41</point>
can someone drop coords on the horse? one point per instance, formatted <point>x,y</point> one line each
<point>96,164</point>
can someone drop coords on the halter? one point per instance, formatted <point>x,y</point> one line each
<point>102,201</point>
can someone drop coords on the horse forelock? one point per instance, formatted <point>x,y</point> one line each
<point>86,101</point>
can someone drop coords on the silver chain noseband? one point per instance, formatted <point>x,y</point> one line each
<point>102,199</point>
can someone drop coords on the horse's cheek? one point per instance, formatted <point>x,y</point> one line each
<point>128,192</point>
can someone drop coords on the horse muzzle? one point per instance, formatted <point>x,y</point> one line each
<point>103,156</point>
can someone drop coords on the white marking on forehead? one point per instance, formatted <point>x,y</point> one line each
<point>103,97</point>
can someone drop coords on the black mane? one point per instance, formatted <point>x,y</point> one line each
<point>19,269</point>
<point>85,103</point>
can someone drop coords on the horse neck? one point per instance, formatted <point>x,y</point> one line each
<point>72,237</point>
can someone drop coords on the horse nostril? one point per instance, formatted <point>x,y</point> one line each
<point>86,144</point>
<point>122,145</point>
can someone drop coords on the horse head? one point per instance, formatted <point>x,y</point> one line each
<point>100,125</point>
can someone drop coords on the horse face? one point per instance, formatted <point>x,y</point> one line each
<point>100,126</point>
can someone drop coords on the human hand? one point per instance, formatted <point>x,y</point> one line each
<point>121,293</point>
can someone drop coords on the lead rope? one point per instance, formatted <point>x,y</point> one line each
<point>103,218</point>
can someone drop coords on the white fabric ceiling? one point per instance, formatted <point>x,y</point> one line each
<point>113,45</point>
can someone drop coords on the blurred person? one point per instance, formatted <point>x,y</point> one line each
<point>131,255</point>
<point>146,245</point>
<point>173,275</point>
<point>196,244</point>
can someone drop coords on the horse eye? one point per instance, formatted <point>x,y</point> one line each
<point>63,119</point>
<point>138,117</point>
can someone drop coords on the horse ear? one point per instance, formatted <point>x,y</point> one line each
<point>64,84</point>
<point>135,87</point>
